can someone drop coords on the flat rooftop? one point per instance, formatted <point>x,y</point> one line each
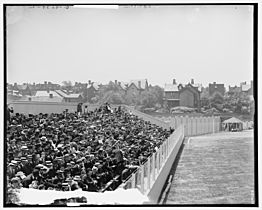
<point>215,169</point>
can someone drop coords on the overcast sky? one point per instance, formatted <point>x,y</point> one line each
<point>207,43</point>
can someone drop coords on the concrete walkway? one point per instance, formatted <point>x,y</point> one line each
<point>215,169</point>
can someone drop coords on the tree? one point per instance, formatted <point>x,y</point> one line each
<point>67,85</point>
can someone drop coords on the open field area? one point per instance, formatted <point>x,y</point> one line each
<point>215,169</point>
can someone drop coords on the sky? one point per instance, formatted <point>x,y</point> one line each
<point>206,43</point>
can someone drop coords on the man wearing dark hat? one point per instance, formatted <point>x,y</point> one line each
<point>26,168</point>
<point>8,113</point>
<point>79,109</point>
<point>34,176</point>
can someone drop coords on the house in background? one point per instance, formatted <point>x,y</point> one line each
<point>135,87</point>
<point>22,89</point>
<point>92,89</point>
<point>189,96</point>
<point>47,96</point>
<point>247,88</point>
<point>214,87</point>
<point>182,95</point>
<point>233,90</point>
<point>216,92</point>
<point>75,97</point>
<point>171,94</point>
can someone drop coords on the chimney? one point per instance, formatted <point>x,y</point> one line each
<point>192,81</point>
<point>139,84</point>
<point>174,81</point>
<point>89,82</point>
<point>115,82</point>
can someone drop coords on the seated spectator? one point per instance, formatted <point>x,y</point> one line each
<point>71,151</point>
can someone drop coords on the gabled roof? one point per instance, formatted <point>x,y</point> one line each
<point>44,93</point>
<point>171,87</point>
<point>143,83</point>
<point>65,95</point>
<point>94,85</point>
<point>232,120</point>
<point>123,85</point>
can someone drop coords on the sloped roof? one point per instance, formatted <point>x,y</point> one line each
<point>44,93</point>
<point>198,86</point>
<point>170,87</point>
<point>94,85</point>
<point>136,83</point>
<point>63,94</point>
<point>232,120</point>
<point>123,85</point>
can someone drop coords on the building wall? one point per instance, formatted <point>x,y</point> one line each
<point>187,98</point>
<point>171,95</point>
<point>172,103</point>
<point>216,87</point>
<point>34,107</point>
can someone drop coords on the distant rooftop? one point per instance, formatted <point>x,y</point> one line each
<point>171,87</point>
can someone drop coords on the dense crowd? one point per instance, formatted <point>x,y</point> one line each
<point>69,151</point>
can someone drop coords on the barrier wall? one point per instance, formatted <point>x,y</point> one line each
<point>196,125</point>
<point>36,107</point>
<point>151,176</point>
<point>147,117</point>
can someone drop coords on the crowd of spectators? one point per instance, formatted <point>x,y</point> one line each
<point>69,151</point>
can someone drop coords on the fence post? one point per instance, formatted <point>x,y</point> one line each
<point>148,173</point>
<point>154,166</point>
<point>213,120</point>
<point>165,150</point>
<point>142,178</point>
<point>186,127</point>
<point>157,161</point>
<point>161,156</point>
<point>133,184</point>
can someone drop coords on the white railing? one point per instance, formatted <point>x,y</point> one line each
<point>196,125</point>
<point>147,117</point>
<point>146,175</point>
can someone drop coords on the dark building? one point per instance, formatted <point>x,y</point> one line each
<point>182,95</point>
<point>189,96</point>
<point>212,88</point>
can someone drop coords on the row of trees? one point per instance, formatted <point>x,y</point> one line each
<point>152,97</point>
<point>240,103</point>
